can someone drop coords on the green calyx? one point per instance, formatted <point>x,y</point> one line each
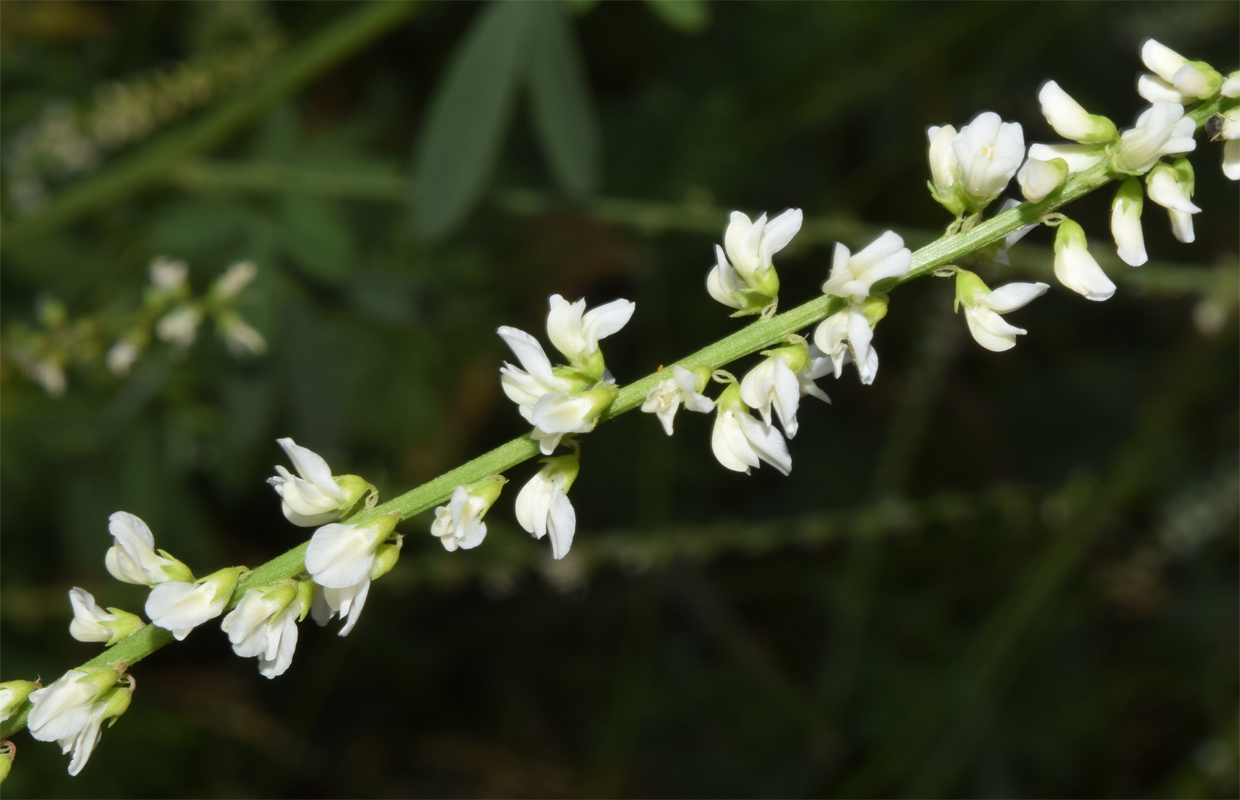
<point>968,288</point>
<point>566,466</point>
<point>124,624</point>
<point>224,581</point>
<point>762,290</point>
<point>1129,195</point>
<point>875,308</point>
<point>385,558</point>
<point>355,490</point>
<point>176,571</point>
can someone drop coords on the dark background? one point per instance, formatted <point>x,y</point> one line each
<point>988,575</point>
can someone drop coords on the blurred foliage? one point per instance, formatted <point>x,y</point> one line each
<point>988,575</point>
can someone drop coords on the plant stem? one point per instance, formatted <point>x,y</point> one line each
<point>748,340</point>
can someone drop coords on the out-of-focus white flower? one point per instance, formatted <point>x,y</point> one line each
<point>575,332</point>
<point>459,523</point>
<point>1038,178</point>
<point>780,381</point>
<point>239,336</point>
<point>341,555</point>
<point>234,279</point>
<point>133,558</point>
<point>741,441</point>
<point>179,606</point>
<point>1079,157</point>
<point>1171,186</point>
<point>845,336</point>
<point>982,308</point>
<point>168,276</point>
<point>1162,129</point>
<point>264,625</point>
<point>92,624</point>
<point>1075,267</point>
<point>179,327</point>
<point>72,711</point>
<point>1070,120</point>
<point>1126,223</point>
<point>744,276</point>
<point>121,357</point>
<point>315,497</point>
<point>854,277</point>
<point>684,386</point>
<point>543,507</point>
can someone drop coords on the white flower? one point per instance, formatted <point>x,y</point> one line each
<point>341,555</point>
<point>88,618</point>
<point>982,308</point>
<point>1070,120</point>
<point>854,276</point>
<point>744,264</point>
<point>558,414</point>
<point>1079,157</point>
<point>121,357</point>
<point>1038,178</point>
<point>168,275</point>
<point>179,327</point>
<point>944,168</point>
<point>72,710</point>
<point>683,386</point>
<point>1170,190</point>
<point>312,499</point>
<point>179,606</point>
<point>459,523</point>
<point>575,332</point>
<point>235,278</point>
<point>543,507</point>
<point>132,558</point>
<point>240,337</point>
<point>781,380</point>
<point>989,151</point>
<point>1075,267</point>
<point>845,336</point>
<point>1156,90</point>
<point>1162,129</point>
<point>1231,159</point>
<point>264,625</point>
<point>525,387</point>
<point>346,602</point>
<point>740,441</point>
<point>1126,223</point>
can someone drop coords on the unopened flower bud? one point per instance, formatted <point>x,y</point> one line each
<point>12,695</point>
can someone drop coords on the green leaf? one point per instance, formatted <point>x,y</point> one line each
<point>686,16</point>
<point>468,118</point>
<point>561,107</point>
<point>316,236</point>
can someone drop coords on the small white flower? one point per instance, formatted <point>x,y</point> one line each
<point>741,441</point>
<point>989,151</point>
<point>264,626</point>
<point>1075,267</point>
<point>684,386</point>
<point>180,326</point>
<point>558,414</point>
<point>575,332</point>
<point>854,276</point>
<point>167,275</point>
<point>1070,120</point>
<point>1079,157</point>
<point>543,507</point>
<point>525,387</point>
<point>1170,190</point>
<point>132,558</point>
<point>1162,129</point>
<point>459,523</point>
<point>1196,81</point>
<point>347,602</point>
<point>845,336</point>
<point>1161,60</point>
<point>982,308</point>
<point>781,380</point>
<point>723,284</point>
<point>341,555</point>
<point>744,264</point>
<point>88,618</point>
<point>944,168</point>
<point>1126,223</point>
<point>1038,178</point>
<point>240,337</point>
<point>179,606</point>
<point>235,278</point>
<point>312,499</point>
<point>72,710</point>
<point>121,357</point>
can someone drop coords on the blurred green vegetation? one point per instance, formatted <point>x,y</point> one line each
<point>988,574</point>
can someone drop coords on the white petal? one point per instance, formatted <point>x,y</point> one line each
<point>1128,235</point>
<point>340,555</point>
<point>990,330</point>
<point>1065,115</point>
<point>1013,296</point>
<point>531,355</point>
<point>1231,159</point>
<point>725,437</point>
<point>1167,192</point>
<point>779,231</point>
<point>565,328</point>
<point>1076,269</point>
<point>738,241</point>
<point>352,606</point>
<point>311,466</point>
<point>766,442</point>
<point>1079,156</point>
<point>1156,90</point>
<point>561,523</point>
<point>787,397</point>
<point>180,607</point>
<point>533,504</point>
<point>605,320</point>
<point>722,282</point>
<point>558,412</point>
<point>1182,226</point>
<point>1161,59</point>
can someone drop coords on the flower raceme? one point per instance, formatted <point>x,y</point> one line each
<point>543,507</point>
<point>971,168</point>
<point>314,497</point>
<point>459,523</point>
<point>982,308</point>
<point>684,386</point>
<point>744,275</point>
<point>741,441</point>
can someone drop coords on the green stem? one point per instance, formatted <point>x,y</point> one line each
<point>746,341</point>
<point>297,68</point>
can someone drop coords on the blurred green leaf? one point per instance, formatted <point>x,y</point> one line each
<point>316,237</point>
<point>194,228</point>
<point>562,109</point>
<point>469,116</point>
<point>686,16</point>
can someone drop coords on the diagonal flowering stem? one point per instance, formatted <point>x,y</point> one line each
<point>748,340</point>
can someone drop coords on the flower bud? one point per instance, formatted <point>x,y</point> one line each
<point>385,558</point>
<point>7,752</point>
<point>92,624</point>
<point>1126,223</point>
<point>12,695</point>
<point>1075,267</point>
<point>1070,120</point>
